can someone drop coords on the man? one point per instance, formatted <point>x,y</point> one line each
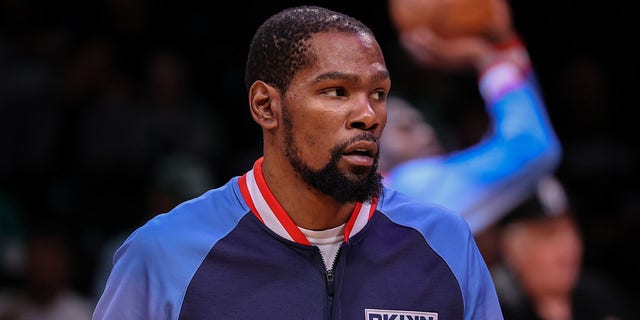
<point>485,181</point>
<point>45,290</point>
<point>309,232</point>
<point>542,275</point>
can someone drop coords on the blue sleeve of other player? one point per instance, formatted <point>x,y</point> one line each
<point>486,180</point>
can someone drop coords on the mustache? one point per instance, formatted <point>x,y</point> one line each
<point>338,150</point>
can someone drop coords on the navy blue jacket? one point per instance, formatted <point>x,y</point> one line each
<point>233,253</point>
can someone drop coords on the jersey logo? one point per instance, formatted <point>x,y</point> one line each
<point>378,314</point>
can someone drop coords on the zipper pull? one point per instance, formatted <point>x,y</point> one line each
<point>330,276</point>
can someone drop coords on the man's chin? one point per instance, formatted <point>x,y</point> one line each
<point>358,175</point>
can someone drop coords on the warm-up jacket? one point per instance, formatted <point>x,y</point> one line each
<point>233,253</point>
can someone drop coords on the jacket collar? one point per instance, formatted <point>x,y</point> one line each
<point>266,208</point>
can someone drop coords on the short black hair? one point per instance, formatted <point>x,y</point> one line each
<point>279,48</point>
<point>549,200</point>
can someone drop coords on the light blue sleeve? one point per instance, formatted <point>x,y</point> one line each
<point>486,180</point>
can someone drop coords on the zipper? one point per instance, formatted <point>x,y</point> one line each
<point>330,281</point>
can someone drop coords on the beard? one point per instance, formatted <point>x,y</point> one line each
<point>329,180</point>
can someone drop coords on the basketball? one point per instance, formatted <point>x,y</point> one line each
<point>447,18</point>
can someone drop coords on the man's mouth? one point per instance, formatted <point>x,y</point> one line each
<point>361,153</point>
<point>364,148</point>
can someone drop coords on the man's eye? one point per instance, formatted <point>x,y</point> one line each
<point>336,92</point>
<point>379,95</point>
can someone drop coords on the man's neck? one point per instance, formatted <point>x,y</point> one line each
<point>307,207</point>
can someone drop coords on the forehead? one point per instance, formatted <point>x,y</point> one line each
<point>346,51</point>
<point>543,226</point>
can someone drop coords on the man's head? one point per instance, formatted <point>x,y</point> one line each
<point>280,46</point>
<point>407,135</point>
<point>541,242</point>
<point>317,84</point>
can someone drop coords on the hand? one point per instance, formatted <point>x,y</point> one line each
<point>462,53</point>
<point>501,27</point>
<point>450,54</point>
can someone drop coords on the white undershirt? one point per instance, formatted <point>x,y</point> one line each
<point>328,241</point>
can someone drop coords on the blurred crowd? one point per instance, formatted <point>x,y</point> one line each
<point>114,111</point>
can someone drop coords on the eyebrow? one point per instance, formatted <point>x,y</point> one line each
<point>335,75</point>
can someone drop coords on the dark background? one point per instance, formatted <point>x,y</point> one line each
<point>78,152</point>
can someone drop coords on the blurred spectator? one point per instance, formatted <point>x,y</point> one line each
<point>104,153</point>
<point>600,163</point>
<point>46,292</point>
<point>127,129</point>
<point>11,240</point>
<point>542,275</point>
<point>109,136</point>
<point>176,119</point>
<point>29,122</point>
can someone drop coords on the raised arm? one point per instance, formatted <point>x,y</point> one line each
<point>484,181</point>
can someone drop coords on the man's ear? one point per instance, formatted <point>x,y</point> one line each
<point>265,104</point>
